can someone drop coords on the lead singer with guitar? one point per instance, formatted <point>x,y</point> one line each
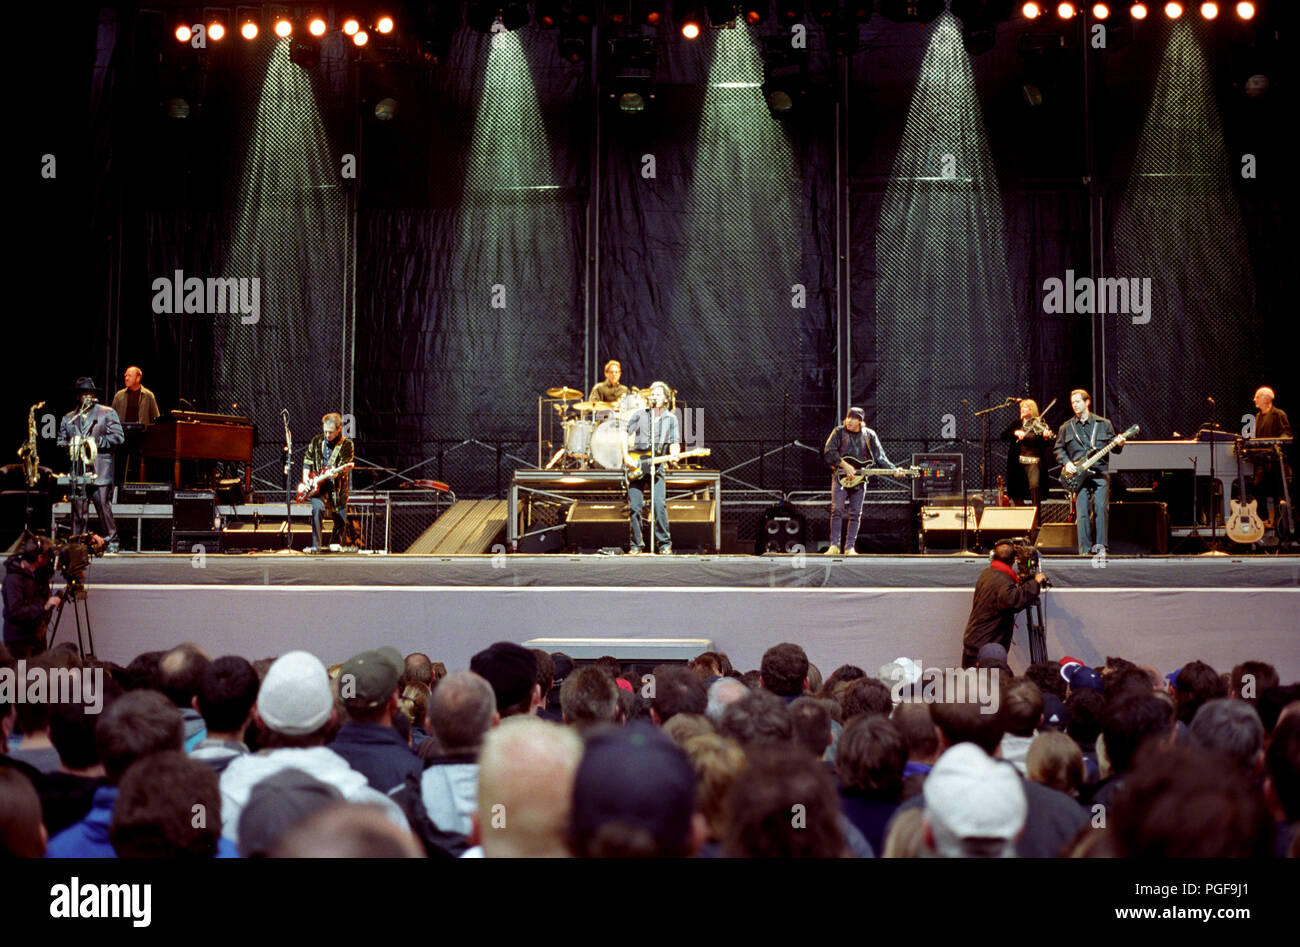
<point>850,443</point>
<point>329,450</point>
<point>652,429</point>
<point>1081,437</point>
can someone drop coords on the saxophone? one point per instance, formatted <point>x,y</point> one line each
<point>27,453</point>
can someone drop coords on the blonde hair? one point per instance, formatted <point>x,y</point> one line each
<point>1033,406</point>
<point>717,761</point>
<point>1055,760</point>
<point>333,416</point>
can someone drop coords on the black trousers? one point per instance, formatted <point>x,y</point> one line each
<point>98,494</point>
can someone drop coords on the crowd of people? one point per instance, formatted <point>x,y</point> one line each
<point>530,754</point>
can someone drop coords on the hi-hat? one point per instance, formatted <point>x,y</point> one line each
<point>568,394</point>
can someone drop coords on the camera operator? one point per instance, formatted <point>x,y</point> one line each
<point>27,598</point>
<point>999,594</point>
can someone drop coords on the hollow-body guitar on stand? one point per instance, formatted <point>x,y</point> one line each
<point>1244,525</point>
<point>1072,482</point>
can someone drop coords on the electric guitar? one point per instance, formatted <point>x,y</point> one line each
<point>863,472</point>
<point>310,485</point>
<point>1072,482</point>
<point>639,462</point>
<point>1244,525</point>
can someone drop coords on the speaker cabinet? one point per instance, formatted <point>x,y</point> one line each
<point>185,541</point>
<point>1060,539</point>
<point>193,510</point>
<point>1139,529</point>
<point>1000,522</point>
<point>596,524</point>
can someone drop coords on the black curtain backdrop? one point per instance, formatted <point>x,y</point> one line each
<point>498,240</point>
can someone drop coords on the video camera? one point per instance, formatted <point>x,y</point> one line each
<point>71,558</point>
<point>1028,561</point>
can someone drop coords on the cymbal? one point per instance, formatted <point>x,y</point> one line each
<point>568,394</point>
<point>594,406</point>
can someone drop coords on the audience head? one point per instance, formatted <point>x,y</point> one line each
<point>914,722</point>
<point>975,806</point>
<point>588,697</point>
<point>634,796</point>
<point>276,805</point>
<point>295,705</point>
<point>676,691</point>
<point>417,669</point>
<point>512,671</point>
<point>461,711</point>
<point>758,718</point>
<point>525,788</point>
<point>368,685</point>
<point>812,724</point>
<point>1021,708</point>
<point>784,670</point>
<point>225,694</point>
<point>1083,717</point>
<point>1197,683</point>
<point>783,805</point>
<point>722,694</point>
<point>717,762</point>
<point>1054,760</point>
<point>178,673</point>
<point>866,695</point>
<point>22,833</point>
<point>1282,769</point>
<point>966,722</point>
<point>349,830</point>
<point>168,806</point>
<point>1250,679</point>
<point>1232,728</point>
<point>1130,724</point>
<point>684,727</point>
<point>137,725</point>
<point>545,672</point>
<point>870,757</point>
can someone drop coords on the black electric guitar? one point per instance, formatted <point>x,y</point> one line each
<point>1072,482</point>
<point>1244,525</point>
<point>640,462</point>
<point>862,472</point>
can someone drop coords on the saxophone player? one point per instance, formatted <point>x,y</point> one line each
<point>92,431</point>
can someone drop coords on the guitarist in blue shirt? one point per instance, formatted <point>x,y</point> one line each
<point>850,441</point>
<point>655,430</point>
<point>1080,438</point>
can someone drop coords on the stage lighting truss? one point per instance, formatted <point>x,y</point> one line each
<point>911,11</point>
<point>617,12</point>
<point>573,42</point>
<point>789,12</point>
<point>648,13</point>
<point>720,13</point>
<point>632,61</point>
<point>754,12</point>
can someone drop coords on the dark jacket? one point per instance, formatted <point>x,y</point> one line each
<point>870,815</point>
<point>102,424</point>
<point>1076,441</point>
<point>1033,447</point>
<point>865,446</point>
<point>321,455</point>
<point>998,597</point>
<point>378,753</point>
<point>25,595</point>
<point>148,406</point>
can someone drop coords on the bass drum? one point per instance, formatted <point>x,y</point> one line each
<point>607,444</point>
<point>577,437</point>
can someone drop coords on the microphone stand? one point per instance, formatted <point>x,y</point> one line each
<point>288,489</point>
<point>1214,508</point>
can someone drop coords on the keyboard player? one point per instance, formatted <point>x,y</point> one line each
<point>1270,422</point>
<point>137,407</point>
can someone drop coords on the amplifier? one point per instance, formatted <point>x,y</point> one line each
<point>597,524</point>
<point>194,510</point>
<point>144,493</point>
<point>1139,529</point>
<point>184,541</point>
<point>1061,539</point>
<point>691,523</point>
<point>1006,521</point>
<point>1054,511</point>
<point>938,519</point>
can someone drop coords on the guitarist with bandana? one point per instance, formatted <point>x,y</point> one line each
<point>1079,438</point>
<point>852,439</point>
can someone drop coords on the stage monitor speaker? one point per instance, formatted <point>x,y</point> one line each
<point>184,541</point>
<point>194,510</point>
<point>597,524</point>
<point>691,523</point>
<point>268,535</point>
<point>1061,539</point>
<point>1006,522</point>
<point>1139,529</point>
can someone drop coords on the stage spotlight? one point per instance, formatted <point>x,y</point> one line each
<point>316,27</point>
<point>1246,10</point>
<point>583,12</point>
<point>1066,11</point>
<point>1100,11</point>
<point>754,11</point>
<point>1209,10</point>
<point>549,13</point>
<point>177,108</point>
<point>1032,11</point>
<point>789,12</point>
<point>385,23</point>
<point>216,32</point>
<point>360,37</point>
<point>616,11</point>
<point>823,11</point>
<point>632,70</point>
<point>911,11</point>
<point>183,33</point>
<point>690,20</point>
<point>350,26</point>
<point>283,28</point>
<point>386,109</point>
<point>1138,11</point>
<point>1173,10</point>
<point>248,30</point>
<point>648,12</point>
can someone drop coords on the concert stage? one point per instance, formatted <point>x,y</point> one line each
<point>863,610</point>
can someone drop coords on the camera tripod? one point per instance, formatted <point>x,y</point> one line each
<point>76,589</point>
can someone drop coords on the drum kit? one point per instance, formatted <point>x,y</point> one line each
<point>594,431</point>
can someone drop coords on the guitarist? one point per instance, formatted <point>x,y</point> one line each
<point>652,429</point>
<point>1081,437</point>
<point>329,449</point>
<point>852,439</point>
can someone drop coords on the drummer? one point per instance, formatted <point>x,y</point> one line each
<point>609,390</point>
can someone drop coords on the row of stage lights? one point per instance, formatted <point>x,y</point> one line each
<point>284,28</point>
<point>1138,11</point>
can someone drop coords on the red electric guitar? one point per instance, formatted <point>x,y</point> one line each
<point>310,485</point>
